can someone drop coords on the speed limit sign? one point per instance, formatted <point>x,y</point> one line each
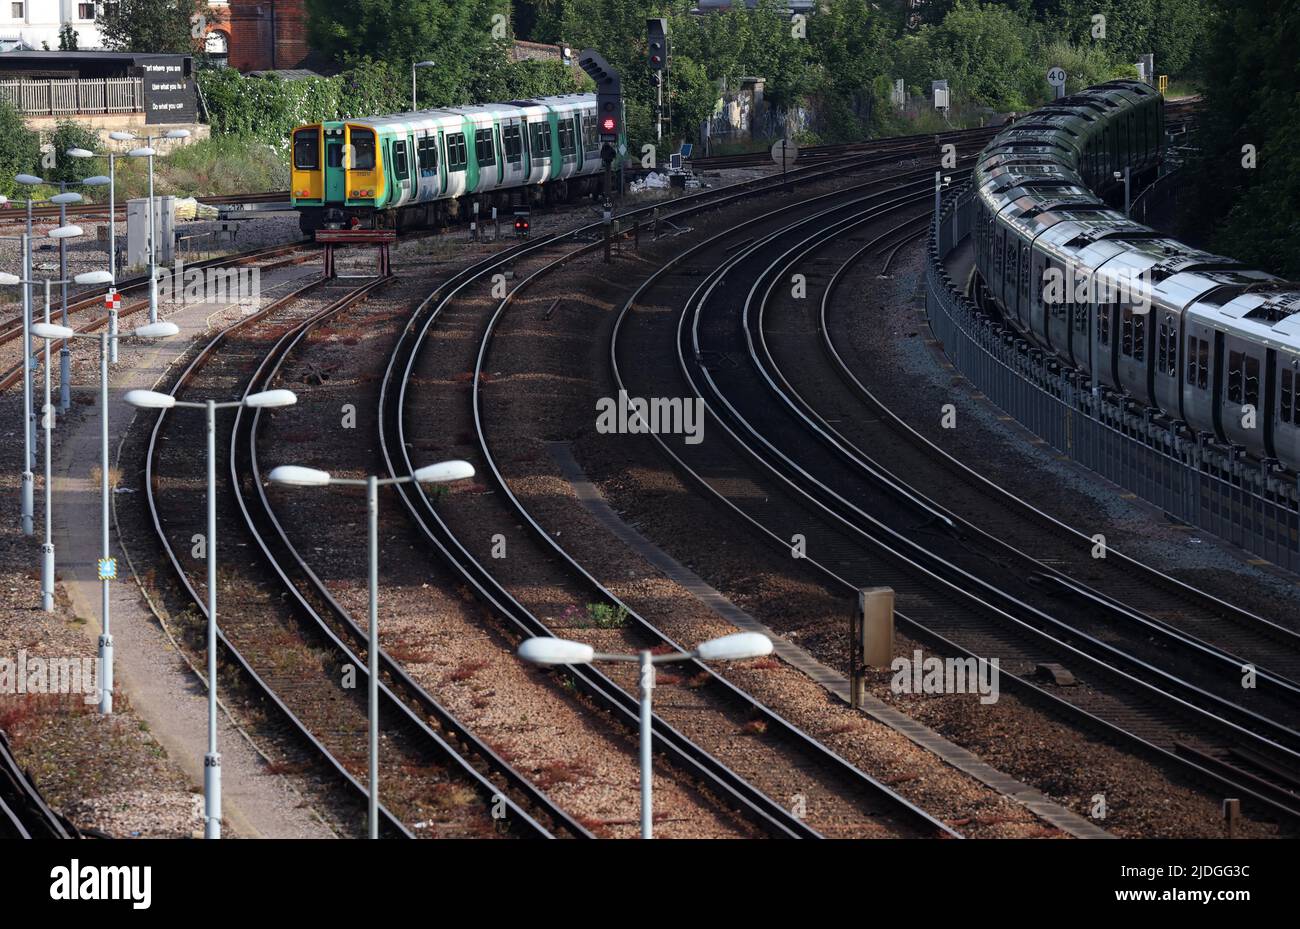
<point>1056,77</point>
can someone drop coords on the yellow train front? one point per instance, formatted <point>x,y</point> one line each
<point>425,169</point>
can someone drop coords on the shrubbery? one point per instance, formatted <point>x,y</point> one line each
<point>20,152</point>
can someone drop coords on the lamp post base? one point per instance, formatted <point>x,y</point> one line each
<point>106,674</point>
<point>28,495</point>
<point>47,577</point>
<point>65,378</point>
<point>212,795</point>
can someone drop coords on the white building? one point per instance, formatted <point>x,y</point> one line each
<point>36,23</point>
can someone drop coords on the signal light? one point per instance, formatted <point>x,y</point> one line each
<point>608,124</point>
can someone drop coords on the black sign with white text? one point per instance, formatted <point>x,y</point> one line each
<point>169,95</point>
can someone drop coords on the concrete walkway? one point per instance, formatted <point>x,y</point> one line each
<point>163,690</point>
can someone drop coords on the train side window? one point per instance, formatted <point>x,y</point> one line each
<point>1203,375</point>
<point>1288,395</point>
<point>1140,337</point>
<point>513,143</point>
<point>426,154</point>
<point>1235,375</point>
<point>540,141</point>
<point>1251,382</point>
<point>1127,333</point>
<point>484,151</point>
<point>1103,324</point>
<point>457,152</point>
<point>1024,270</point>
<point>400,167</point>
<point>590,137</point>
<point>1167,349</point>
<point>334,156</point>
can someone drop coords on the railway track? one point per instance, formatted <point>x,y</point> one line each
<point>783,495</point>
<point>91,301</point>
<point>17,213</point>
<point>24,814</point>
<point>269,629</point>
<point>816,154</point>
<point>565,573</point>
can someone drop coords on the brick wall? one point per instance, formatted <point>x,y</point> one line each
<point>251,41</point>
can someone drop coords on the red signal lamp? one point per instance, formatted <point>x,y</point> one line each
<point>608,124</point>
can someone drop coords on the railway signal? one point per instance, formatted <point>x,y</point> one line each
<point>657,59</point>
<point>609,106</point>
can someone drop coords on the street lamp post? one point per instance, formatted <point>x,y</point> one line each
<point>28,180</point>
<point>734,647</point>
<point>111,181</point>
<point>153,400</point>
<point>148,151</point>
<point>440,473</point>
<point>414,65</point>
<point>26,490</point>
<point>107,566</point>
<point>47,417</point>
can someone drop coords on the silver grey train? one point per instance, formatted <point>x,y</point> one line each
<point>1209,343</point>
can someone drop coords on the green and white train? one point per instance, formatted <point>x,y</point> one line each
<point>425,168</point>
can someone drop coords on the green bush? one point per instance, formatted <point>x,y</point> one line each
<point>66,168</point>
<point>20,153</point>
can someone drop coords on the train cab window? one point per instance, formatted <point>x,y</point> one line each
<point>306,150</point>
<point>457,152</point>
<point>1286,409</point>
<point>512,142</point>
<point>1236,376</point>
<point>426,154</point>
<point>363,149</point>
<point>333,156</point>
<point>539,135</point>
<point>484,150</point>
<point>400,167</point>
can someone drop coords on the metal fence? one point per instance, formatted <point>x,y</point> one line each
<point>74,96</point>
<point>1193,478</point>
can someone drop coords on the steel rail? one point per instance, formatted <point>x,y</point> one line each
<point>425,701</point>
<point>699,480</point>
<point>853,518</point>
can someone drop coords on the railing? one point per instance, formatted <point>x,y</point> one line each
<point>1254,505</point>
<point>74,96</point>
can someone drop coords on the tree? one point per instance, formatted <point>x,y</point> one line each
<point>984,50</point>
<point>67,38</point>
<point>461,36</point>
<point>1247,179</point>
<point>172,26</point>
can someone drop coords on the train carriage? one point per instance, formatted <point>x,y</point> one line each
<point>424,168</point>
<point>1193,336</point>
